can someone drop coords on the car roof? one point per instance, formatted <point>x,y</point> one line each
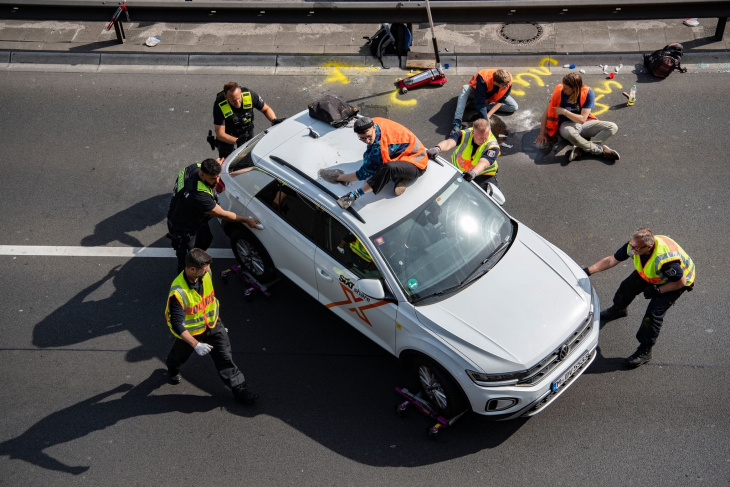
<point>339,148</point>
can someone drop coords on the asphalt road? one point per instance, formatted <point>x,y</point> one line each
<point>89,160</point>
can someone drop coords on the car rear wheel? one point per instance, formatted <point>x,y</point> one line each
<point>439,387</point>
<point>252,256</point>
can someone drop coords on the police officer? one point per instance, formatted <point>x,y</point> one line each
<point>193,317</point>
<point>233,116</point>
<point>476,153</point>
<point>194,202</point>
<point>663,271</point>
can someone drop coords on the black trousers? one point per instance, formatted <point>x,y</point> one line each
<point>221,355</point>
<point>393,171</point>
<point>224,150</point>
<point>183,241</point>
<point>651,324</point>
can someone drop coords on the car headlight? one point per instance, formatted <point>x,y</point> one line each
<point>503,379</point>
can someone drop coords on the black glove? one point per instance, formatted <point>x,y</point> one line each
<point>277,121</point>
<point>242,140</point>
<point>469,175</point>
<point>651,292</point>
<point>585,269</point>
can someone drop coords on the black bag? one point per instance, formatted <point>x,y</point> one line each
<point>662,62</point>
<point>332,110</point>
<point>390,39</point>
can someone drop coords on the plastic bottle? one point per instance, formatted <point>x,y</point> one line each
<point>632,96</point>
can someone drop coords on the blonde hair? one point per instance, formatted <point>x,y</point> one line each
<point>573,81</point>
<point>645,235</point>
<point>481,125</point>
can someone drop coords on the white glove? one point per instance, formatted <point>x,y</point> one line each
<point>433,151</point>
<point>340,250</point>
<point>203,348</point>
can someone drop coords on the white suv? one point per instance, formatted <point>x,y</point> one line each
<point>487,314</point>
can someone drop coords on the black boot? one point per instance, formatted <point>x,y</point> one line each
<point>173,376</point>
<point>244,395</point>
<point>612,313</point>
<point>641,356</point>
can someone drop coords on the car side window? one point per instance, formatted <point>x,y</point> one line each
<point>347,249</point>
<point>298,211</point>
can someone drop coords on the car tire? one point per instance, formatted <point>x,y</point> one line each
<point>439,387</point>
<point>252,255</point>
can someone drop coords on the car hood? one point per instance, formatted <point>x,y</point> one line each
<point>517,313</point>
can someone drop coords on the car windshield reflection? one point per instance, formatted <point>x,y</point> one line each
<point>447,243</point>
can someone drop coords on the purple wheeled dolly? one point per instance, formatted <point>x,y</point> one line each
<point>252,283</point>
<point>426,409</point>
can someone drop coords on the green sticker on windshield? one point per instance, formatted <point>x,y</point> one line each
<point>412,284</point>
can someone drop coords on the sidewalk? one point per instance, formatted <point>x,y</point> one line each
<point>313,45</point>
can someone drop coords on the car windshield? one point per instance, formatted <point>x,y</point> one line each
<point>243,159</point>
<point>447,243</point>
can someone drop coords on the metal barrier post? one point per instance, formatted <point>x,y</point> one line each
<point>720,29</point>
<point>119,29</point>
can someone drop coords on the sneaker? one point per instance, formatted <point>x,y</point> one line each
<point>244,395</point>
<point>691,22</point>
<point>174,377</point>
<point>610,314</point>
<point>609,153</point>
<point>400,187</point>
<point>641,356</point>
<point>346,201</point>
<point>455,127</point>
<point>575,154</point>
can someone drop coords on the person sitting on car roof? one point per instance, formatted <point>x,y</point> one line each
<point>393,153</point>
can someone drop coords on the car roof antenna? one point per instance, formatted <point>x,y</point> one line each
<point>312,133</point>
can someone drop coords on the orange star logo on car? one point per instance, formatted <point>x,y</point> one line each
<point>352,299</point>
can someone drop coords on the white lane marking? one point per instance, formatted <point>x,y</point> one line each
<point>60,251</point>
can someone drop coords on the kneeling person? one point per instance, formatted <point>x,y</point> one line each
<point>476,153</point>
<point>394,153</point>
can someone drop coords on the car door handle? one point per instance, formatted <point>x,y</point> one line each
<point>324,274</point>
<point>236,195</point>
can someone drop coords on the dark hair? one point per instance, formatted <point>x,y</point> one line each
<point>230,86</point>
<point>197,258</point>
<point>211,167</point>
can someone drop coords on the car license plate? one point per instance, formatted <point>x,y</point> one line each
<point>570,372</point>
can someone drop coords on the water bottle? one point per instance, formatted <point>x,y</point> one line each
<point>632,96</point>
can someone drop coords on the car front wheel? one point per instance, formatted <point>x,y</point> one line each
<point>439,387</point>
<point>252,256</point>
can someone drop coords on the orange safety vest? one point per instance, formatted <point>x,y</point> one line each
<point>488,77</point>
<point>395,133</point>
<point>552,117</point>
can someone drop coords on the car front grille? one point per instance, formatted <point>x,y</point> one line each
<point>553,360</point>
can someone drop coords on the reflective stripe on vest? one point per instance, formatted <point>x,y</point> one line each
<point>246,104</point>
<point>665,250</point>
<point>488,76</point>
<point>463,159</point>
<point>394,133</point>
<point>200,311</point>
<point>552,117</point>
<point>359,249</point>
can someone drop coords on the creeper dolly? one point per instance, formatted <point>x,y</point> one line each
<point>249,280</point>
<point>425,408</point>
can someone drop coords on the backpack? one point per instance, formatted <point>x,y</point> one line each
<point>390,39</point>
<point>332,110</point>
<point>662,62</point>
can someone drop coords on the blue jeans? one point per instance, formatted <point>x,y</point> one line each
<point>508,106</point>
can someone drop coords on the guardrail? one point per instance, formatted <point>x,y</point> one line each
<point>247,11</point>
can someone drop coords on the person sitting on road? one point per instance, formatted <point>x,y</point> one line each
<point>570,111</point>
<point>233,116</point>
<point>476,153</point>
<point>491,89</point>
<point>394,153</point>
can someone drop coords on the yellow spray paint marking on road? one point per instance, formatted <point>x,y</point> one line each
<point>533,73</point>
<point>606,89</point>
<point>337,76</point>
<point>404,103</point>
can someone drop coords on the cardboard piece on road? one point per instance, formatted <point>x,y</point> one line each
<point>420,60</point>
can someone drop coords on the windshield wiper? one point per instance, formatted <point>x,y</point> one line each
<point>472,275</point>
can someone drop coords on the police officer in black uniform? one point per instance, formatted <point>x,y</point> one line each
<point>233,116</point>
<point>194,202</point>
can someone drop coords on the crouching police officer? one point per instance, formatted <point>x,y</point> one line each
<point>194,202</point>
<point>233,116</point>
<point>193,317</point>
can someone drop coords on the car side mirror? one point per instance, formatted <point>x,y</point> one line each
<point>496,194</point>
<point>372,288</point>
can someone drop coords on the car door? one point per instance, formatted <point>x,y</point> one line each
<point>340,262</point>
